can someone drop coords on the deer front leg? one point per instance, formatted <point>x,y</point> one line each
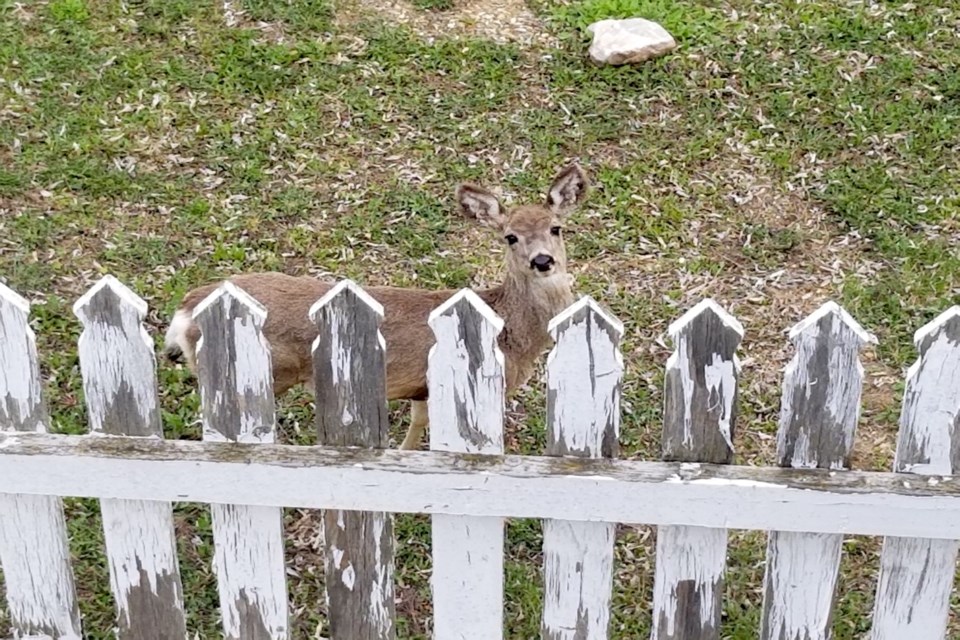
<point>419,419</point>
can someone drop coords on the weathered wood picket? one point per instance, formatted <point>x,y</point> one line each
<point>579,488</point>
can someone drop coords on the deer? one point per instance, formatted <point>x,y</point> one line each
<point>535,287</point>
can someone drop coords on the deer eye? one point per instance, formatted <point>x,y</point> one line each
<point>511,239</point>
<point>555,230</point>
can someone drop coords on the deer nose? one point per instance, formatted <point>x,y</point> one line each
<point>542,262</point>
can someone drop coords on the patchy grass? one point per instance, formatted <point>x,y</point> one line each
<point>786,154</point>
<point>434,5</point>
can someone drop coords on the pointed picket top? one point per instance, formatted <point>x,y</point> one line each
<point>470,303</point>
<point>946,324</point>
<point>700,399</point>
<point>586,305</point>
<point>228,294</point>
<point>108,292</point>
<point>234,367</point>
<point>22,406</point>
<point>349,360</point>
<point>828,309</point>
<point>929,439</point>
<point>465,376</point>
<point>703,310</point>
<point>117,361</point>
<point>584,370</point>
<point>347,289</point>
<point>821,390</point>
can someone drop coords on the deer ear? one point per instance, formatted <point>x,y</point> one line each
<point>482,205</point>
<point>568,190</point>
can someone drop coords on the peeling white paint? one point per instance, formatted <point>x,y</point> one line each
<point>252,368</point>
<point>832,308</point>
<point>248,540</point>
<point>687,554</point>
<point>917,575</point>
<point>342,352</point>
<point>349,576</point>
<point>720,379</point>
<point>800,579</point>
<point>36,565</point>
<point>732,482</point>
<point>116,357</point>
<point>913,593</point>
<point>843,387</point>
<point>20,386</point>
<point>802,568</point>
<point>511,486</point>
<point>719,375</point>
<point>583,377</point>
<point>678,364</point>
<point>452,384</point>
<point>140,539</point>
<point>931,406</point>
<point>383,576</point>
<point>584,370</point>
<point>578,577</point>
<point>467,580</point>
<point>254,376</point>
<point>38,578</point>
<point>678,325</point>
<point>248,557</point>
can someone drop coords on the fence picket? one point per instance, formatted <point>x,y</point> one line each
<point>465,381</point>
<point>916,575</point>
<point>583,417</point>
<point>120,385</point>
<point>236,392</point>
<point>41,598</point>
<point>818,422</point>
<point>700,411</point>
<point>350,385</point>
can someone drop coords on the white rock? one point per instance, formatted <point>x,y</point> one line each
<point>617,42</point>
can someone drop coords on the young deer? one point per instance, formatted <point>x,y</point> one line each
<point>536,288</point>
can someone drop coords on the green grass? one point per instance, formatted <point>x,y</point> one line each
<point>433,5</point>
<point>815,140</point>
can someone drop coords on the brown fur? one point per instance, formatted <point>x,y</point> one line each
<point>526,301</point>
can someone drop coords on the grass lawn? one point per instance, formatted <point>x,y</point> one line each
<point>786,154</point>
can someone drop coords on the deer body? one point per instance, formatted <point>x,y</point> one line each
<point>535,289</point>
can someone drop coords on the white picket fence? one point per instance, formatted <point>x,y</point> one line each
<point>465,482</point>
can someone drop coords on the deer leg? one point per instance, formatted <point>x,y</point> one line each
<point>419,419</point>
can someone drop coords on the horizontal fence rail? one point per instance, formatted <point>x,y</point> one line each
<point>580,489</point>
<point>720,496</point>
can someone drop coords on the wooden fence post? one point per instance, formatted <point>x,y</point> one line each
<point>818,422</point>
<point>236,393</point>
<point>466,392</point>
<point>33,532</point>
<point>700,411</point>
<point>120,385</point>
<point>583,417</point>
<point>916,575</point>
<point>349,364</point>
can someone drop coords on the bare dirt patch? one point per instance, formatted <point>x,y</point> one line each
<point>501,21</point>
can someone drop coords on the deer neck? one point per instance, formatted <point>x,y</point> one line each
<point>526,306</point>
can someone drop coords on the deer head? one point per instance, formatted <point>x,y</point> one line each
<point>534,232</point>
